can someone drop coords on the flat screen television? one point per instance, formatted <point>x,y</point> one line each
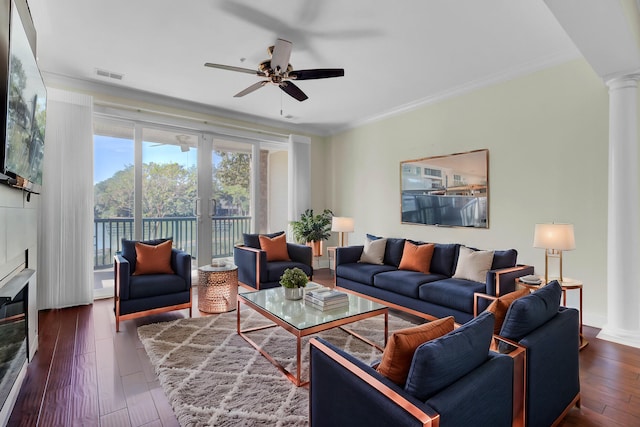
<point>26,109</point>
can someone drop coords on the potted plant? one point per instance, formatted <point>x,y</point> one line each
<point>313,229</point>
<point>293,280</point>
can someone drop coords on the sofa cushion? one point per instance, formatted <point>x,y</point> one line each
<point>504,259</point>
<point>416,257</point>
<point>129,250</point>
<point>276,269</point>
<point>404,282</point>
<point>393,250</point>
<point>444,258</point>
<point>373,252</point>
<point>253,240</point>
<point>153,259</point>
<point>500,306</point>
<point>275,247</point>
<point>473,265</point>
<point>439,363</point>
<point>362,272</point>
<point>452,293</point>
<point>528,313</point>
<point>398,353</point>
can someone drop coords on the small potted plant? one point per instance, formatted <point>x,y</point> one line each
<point>313,229</point>
<point>293,280</point>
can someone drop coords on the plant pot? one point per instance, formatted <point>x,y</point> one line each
<point>293,293</point>
<point>316,247</point>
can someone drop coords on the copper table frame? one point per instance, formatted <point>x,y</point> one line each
<point>300,333</point>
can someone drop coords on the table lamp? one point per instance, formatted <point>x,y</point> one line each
<point>343,225</point>
<point>553,238</point>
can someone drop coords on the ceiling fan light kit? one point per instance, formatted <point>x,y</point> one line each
<point>279,72</point>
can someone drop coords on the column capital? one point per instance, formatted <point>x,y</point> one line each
<point>629,80</point>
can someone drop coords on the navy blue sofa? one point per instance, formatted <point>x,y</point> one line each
<point>255,272</point>
<point>434,295</point>
<point>468,385</point>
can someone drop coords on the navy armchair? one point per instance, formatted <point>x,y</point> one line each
<point>550,335</point>
<point>345,391</point>
<point>255,272</point>
<point>138,295</point>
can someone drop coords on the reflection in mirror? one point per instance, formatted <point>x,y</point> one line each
<point>447,190</point>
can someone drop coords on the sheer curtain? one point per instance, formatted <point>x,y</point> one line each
<point>299,176</point>
<point>65,239</point>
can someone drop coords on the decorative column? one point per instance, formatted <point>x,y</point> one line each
<point>623,241</point>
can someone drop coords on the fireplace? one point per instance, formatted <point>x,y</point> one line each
<point>14,297</point>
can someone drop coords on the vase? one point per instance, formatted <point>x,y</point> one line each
<point>293,293</point>
<point>316,247</point>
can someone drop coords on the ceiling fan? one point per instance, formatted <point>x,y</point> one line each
<point>279,72</point>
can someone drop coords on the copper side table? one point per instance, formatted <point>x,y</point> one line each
<point>566,285</point>
<point>217,288</point>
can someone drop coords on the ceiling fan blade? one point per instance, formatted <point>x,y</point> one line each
<point>293,90</point>
<point>232,68</point>
<point>281,54</point>
<point>251,88</point>
<point>319,73</point>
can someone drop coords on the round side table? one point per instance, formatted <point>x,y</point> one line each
<point>217,288</point>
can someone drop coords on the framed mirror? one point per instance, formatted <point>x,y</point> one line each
<point>451,190</point>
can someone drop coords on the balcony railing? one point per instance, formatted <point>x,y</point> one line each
<point>107,235</point>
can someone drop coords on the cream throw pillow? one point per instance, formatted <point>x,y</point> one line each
<point>373,252</point>
<point>473,265</point>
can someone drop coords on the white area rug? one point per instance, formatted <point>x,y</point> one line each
<point>212,377</point>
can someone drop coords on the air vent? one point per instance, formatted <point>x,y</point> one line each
<point>109,74</point>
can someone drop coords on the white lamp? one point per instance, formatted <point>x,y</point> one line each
<point>342,224</point>
<point>553,238</point>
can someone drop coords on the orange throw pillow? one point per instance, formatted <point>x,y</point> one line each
<point>276,248</point>
<point>398,354</point>
<point>500,306</point>
<point>416,257</point>
<point>152,259</point>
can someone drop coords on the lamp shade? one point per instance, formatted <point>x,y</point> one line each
<point>554,236</point>
<point>342,223</point>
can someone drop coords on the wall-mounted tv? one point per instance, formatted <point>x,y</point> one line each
<point>26,108</point>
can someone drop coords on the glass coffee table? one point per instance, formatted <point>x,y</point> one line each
<point>306,320</point>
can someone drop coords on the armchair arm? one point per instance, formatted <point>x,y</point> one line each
<point>252,265</point>
<point>300,253</point>
<point>345,391</point>
<point>181,265</point>
<point>503,281</point>
<point>348,254</point>
<point>121,276</point>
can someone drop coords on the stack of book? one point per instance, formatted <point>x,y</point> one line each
<point>326,299</point>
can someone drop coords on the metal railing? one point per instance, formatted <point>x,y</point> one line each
<point>108,233</point>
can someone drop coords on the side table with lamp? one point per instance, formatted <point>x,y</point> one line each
<point>342,225</point>
<point>555,238</point>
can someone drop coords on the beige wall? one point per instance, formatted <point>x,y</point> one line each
<point>547,135</point>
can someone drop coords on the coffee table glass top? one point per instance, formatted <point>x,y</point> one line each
<point>302,316</point>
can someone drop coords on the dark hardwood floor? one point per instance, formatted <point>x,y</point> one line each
<point>84,374</point>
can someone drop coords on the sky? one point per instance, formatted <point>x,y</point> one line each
<point>113,154</point>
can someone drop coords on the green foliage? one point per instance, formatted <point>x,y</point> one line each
<point>312,228</point>
<point>294,278</point>
<point>233,178</point>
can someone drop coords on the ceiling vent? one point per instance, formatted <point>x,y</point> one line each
<point>109,74</point>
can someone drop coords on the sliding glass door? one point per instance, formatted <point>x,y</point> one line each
<point>158,182</point>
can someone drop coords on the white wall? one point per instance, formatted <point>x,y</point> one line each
<point>547,135</point>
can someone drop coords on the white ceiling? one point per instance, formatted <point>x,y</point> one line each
<point>396,54</point>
